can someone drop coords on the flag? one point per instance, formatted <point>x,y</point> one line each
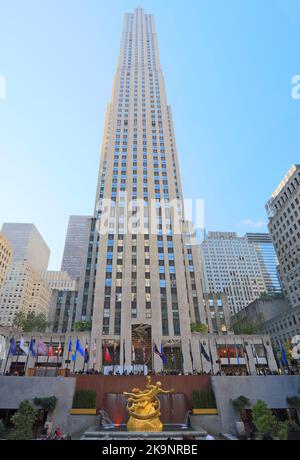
<point>191,355</point>
<point>12,347</point>
<point>70,346</point>
<point>94,352</point>
<point>79,348</point>
<point>157,352</point>
<point>163,356</point>
<point>24,347</point>
<point>31,347</point>
<point>133,353</point>
<point>59,349</point>
<point>42,348</point>
<point>254,352</point>
<point>283,353</point>
<point>203,352</point>
<point>236,352</point>
<point>123,352</point>
<point>172,356</point>
<point>107,357</point>
<point>143,350</point>
<point>86,353</point>
<point>51,350</point>
<point>2,347</point>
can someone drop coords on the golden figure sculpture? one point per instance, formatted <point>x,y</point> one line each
<point>144,407</point>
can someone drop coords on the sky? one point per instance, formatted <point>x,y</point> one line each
<point>227,65</point>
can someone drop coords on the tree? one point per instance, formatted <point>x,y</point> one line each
<point>2,427</point>
<point>31,322</point>
<point>263,419</point>
<point>83,326</point>
<point>199,327</point>
<point>23,420</point>
<point>48,404</point>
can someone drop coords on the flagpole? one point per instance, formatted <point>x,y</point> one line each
<point>246,357</point>
<point>7,357</point>
<point>68,358</point>
<point>123,355</point>
<point>48,356</point>
<point>18,353</point>
<point>266,353</point>
<point>27,359</point>
<point>152,352</point>
<point>210,356</point>
<point>201,361</point>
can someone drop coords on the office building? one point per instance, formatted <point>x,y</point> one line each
<point>75,244</point>
<point>5,258</point>
<point>283,209</point>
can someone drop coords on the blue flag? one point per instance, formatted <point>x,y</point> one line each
<point>163,356</point>
<point>283,354</point>
<point>12,347</point>
<point>70,346</point>
<point>31,347</point>
<point>79,348</point>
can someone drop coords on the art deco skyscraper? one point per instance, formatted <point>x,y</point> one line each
<point>140,287</point>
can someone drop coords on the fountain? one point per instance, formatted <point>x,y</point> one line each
<point>146,408</point>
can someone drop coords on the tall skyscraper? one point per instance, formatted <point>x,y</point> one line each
<point>283,209</point>
<point>268,260</point>
<point>140,276</point>
<point>230,263</point>
<point>5,258</point>
<point>27,244</point>
<point>77,234</point>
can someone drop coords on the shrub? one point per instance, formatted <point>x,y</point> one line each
<point>47,404</point>
<point>84,399</point>
<point>2,427</point>
<point>263,419</point>
<point>203,399</point>
<point>23,421</point>
<point>293,401</point>
<point>240,403</point>
<point>199,327</point>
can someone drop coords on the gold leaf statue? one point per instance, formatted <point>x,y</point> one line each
<point>144,407</point>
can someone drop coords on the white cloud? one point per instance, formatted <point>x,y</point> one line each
<point>252,223</point>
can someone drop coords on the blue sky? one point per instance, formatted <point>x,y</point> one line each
<point>228,67</point>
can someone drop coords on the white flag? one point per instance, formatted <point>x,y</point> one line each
<point>2,347</point>
<point>23,346</point>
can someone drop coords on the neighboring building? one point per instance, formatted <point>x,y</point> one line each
<point>274,317</point>
<point>230,264</point>
<point>63,310</point>
<point>268,260</point>
<point>76,241</point>
<point>27,244</point>
<point>283,209</point>
<point>5,258</point>
<point>217,312</point>
<point>59,280</point>
<point>23,290</point>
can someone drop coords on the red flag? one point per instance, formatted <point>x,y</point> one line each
<point>59,349</point>
<point>51,351</point>
<point>107,357</point>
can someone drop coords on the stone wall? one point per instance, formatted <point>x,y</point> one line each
<point>14,390</point>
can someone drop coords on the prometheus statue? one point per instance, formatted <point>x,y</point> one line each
<point>144,407</point>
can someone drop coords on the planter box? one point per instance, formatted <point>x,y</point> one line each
<point>205,411</point>
<point>83,411</point>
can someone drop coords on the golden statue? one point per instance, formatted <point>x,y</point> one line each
<point>144,407</point>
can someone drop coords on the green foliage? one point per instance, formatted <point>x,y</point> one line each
<point>271,295</point>
<point>83,326</point>
<point>23,421</point>
<point>247,327</point>
<point>263,419</point>
<point>84,399</point>
<point>47,404</point>
<point>283,431</point>
<point>293,401</point>
<point>199,327</point>
<point>240,403</point>
<point>31,322</point>
<point>203,399</point>
<point>2,427</point>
